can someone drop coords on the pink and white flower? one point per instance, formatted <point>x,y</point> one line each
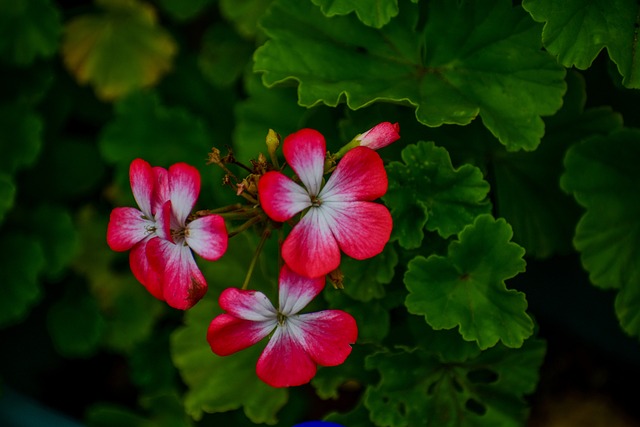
<point>182,282</point>
<point>160,236</point>
<point>339,216</point>
<point>300,341</point>
<point>380,135</point>
<point>131,229</point>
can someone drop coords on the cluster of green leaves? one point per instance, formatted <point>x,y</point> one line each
<point>502,157</point>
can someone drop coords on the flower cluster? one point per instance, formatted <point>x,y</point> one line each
<point>328,217</point>
<point>160,234</point>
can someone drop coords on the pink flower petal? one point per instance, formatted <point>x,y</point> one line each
<point>163,221</point>
<point>362,229</point>
<point>310,249</point>
<point>380,135</point>
<point>228,334</point>
<point>144,271</point>
<point>183,284</point>
<point>284,362</point>
<point>247,304</point>
<point>207,236</point>
<point>296,291</point>
<point>305,152</point>
<point>142,182</point>
<point>127,226</point>
<point>162,189</point>
<point>184,181</point>
<point>326,335</point>
<point>360,175</point>
<point>280,197</point>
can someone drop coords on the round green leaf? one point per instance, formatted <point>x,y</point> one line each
<point>7,195</point>
<point>364,279</point>
<point>224,55</point>
<point>21,261</point>
<point>427,190</point>
<point>28,29</point>
<point>21,131</point>
<point>244,14</point>
<point>184,10</point>
<point>466,288</point>
<point>460,66</point>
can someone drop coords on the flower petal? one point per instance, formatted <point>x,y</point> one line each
<point>280,197</point>
<point>163,221</point>
<point>142,182</point>
<point>247,304</point>
<point>326,335</point>
<point>207,236</point>
<point>362,229</point>
<point>296,291</point>
<point>305,152</point>
<point>127,226</point>
<point>360,175</point>
<point>380,135</point>
<point>284,362</point>
<point>184,181</point>
<point>228,334</point>
<point>183,285</point>
<point>310,249</point>
<point>162,190</point>
<point>144,271</point>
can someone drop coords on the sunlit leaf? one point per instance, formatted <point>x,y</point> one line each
<point>21,261</point>
<point>219,384</point>
<point>577,30</point>
<point>466,288</point>
<point>372,13</point>
<point>425,190</point>
<point>28,29</point>
<point>449,71</point>
<point>118,50</point>
<point>418,388</point>
<point>21,131</point>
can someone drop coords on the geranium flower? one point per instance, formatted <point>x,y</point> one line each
<point>339,215</point>
<point>300,341</point>
<point>181,280</point>
<point>131,229</point>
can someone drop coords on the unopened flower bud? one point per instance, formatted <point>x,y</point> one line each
<point>380,135</point>
<point>273,142</point>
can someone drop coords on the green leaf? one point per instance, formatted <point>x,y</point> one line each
<point>358,417</point>
<point>224,55</point>
<point>75,324</point>
<point>55,229</point>
<point>375,14</point>
<point>219,384</point>
<point>165,410</point>
<point>349,376</point>
<point>119,50</point>
<point>21,131</point>
<point>527,190</point>
<point>184,10</point>
<point>28,30</point>
<point>603,176</point>
<point>21,261</point>
<point>466,288</point>
<point>372,317</point>
<point>7,195</point>
<point>488,63</point>
<point>244,14</point>
<point>426,190</point>
<point>416,388</point>
<point>577,30</point>
<point>364,280</point>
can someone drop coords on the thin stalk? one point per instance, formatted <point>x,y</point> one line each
<point>256,219</point>
<point>256,255</point>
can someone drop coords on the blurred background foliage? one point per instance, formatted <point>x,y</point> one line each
<point>89,86</point>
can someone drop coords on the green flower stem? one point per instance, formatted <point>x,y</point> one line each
<point>265,235</point>
<point>256,219</point>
